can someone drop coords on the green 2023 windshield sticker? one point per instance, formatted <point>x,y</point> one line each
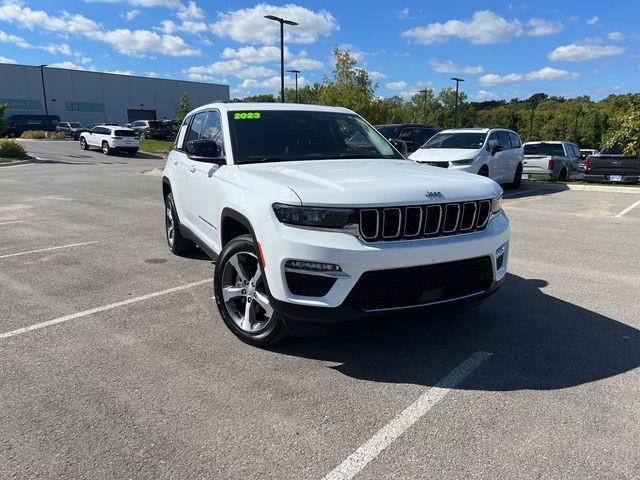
<point>246,116</point>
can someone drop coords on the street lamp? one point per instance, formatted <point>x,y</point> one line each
<point>296,72</point>
<point>425,92</point>
<point>455,121</point>
<point>282,21</point>
<point>44,91</point>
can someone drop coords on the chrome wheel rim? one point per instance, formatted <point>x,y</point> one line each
<point>82,142</point>
<point>105,148</point>
<point>170,224</point>
<point>244,293</point>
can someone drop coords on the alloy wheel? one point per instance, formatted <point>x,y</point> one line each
<point>170,224</point>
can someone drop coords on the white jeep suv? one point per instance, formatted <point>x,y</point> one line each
<point>307,225</point>
<point>110,139</point>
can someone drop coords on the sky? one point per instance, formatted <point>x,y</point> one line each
<point>501,49</point>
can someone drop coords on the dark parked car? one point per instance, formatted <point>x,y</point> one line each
<point>18,124</point>
<point>71,129</point>
<point>151,129</point>
<point>612,166</point>
<point>413,134</point>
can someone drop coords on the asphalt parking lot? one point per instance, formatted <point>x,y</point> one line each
<point>115,363</point>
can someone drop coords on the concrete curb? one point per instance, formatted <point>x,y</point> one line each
<point>582,188</point>
<point>17,162</point>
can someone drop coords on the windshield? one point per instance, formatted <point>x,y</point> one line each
<point>467,141</point>
<point>544,149</point>
<point>283,135</point>
<point>387,132</point>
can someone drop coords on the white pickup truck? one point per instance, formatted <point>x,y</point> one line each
<point>306,225</point>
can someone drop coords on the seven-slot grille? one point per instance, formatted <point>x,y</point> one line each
<point>423,221</point>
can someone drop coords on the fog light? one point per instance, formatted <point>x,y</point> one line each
<point>317,266</point>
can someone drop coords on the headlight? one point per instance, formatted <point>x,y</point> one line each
<point>496,204</point>
<point>468,161</point>
<point>314,216</point>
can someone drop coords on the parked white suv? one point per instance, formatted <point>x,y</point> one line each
<point>491,152</point>
<point>110,139</point>
<point>306,225</point>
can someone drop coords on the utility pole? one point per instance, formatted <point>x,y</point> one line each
<point>425,91</point>
<point>44,91</point>
<point>455,121</point>
<point>296,72</point>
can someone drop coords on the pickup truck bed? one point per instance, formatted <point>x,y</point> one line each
<point>612,168</point>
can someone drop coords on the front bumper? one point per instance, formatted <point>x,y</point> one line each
<point>356,257</point>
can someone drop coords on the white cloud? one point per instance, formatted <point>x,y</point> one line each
<point>69,66</point>
<point>248,25</point>
<point>130,15</point>
<point>187,26</point>
<point>191,12</point>
<point>404,13</point>
<point>449,66</point>
<point>403,88</point>
<point>397,85</point>
<point>375,75</point>
<point>593,20</point>
<point>544,74</point>
<point>120,72</point>
<point>539,27</point>
<point>6,60</point>
<point>483,96</point>
<point>268,54</point>
<point>616,36</point>
<point>485,27</point>
<point>422,83</point>
<point>272,83</point>
<point>16,40</point>
<point>175,4</point>
<point>579,53</point>
<point>129,42</point>
<point>54,49</point>
<point>231,67</point>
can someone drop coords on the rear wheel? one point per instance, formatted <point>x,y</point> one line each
<point>105,148</point>
<point>176,242</point>
<point>562,176</point>
<point>83,144</point>
<point>242,294</point>
<point>517,178</point>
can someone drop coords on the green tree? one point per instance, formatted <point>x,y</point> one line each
<point>3,129</point>
<point>183,108</point>
<point>625,129</point>
<point>262,98</point>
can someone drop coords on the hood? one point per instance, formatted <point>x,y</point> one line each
<point>442,154</point>
<point>359,183</point>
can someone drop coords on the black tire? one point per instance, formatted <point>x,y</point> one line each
<point>484,171</point>
<point>517,178</point>
<point>562,176</point>
<point>144,135</point>
<point>106,149</point>
<point>178,245</point>
<point>268,329</point>
<point>83,144</point>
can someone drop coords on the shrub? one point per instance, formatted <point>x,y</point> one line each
<point>34,134</point>
<point>11,149</point>
<point>58,136</point>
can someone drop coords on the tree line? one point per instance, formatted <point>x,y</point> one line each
<point>589,123</point>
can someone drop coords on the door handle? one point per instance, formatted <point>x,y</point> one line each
<point>192,168</point>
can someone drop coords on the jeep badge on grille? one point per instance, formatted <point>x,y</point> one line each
<point>434,195</point>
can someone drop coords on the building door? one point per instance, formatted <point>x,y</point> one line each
<point>134,114</point>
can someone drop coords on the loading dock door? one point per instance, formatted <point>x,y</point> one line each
<point>134,114</point>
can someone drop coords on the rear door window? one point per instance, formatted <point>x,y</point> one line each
<point>196,126</point>
<point>515,140</point>
<point>504,140</point>
<point>421,135</point>
<point>406,135</point>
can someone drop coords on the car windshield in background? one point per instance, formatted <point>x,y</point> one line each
<point>125,133</point>
<point>284,135</point>
<point>544,149</point>
<point>467,141</point>
<point>76,125</point>
<point>387,132</point>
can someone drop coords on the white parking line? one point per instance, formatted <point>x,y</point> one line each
<point>401,423</point>
<point>11,221</point>
<point>628,209</point>
<point>86,313</point>
<point>47,249</point>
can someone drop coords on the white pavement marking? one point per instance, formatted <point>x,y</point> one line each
<point>401,423</point>
<point>12,221</point>
<point>86,313</point>
<point>628,209</point>
<point>47,249</point>
<point>521,192</point>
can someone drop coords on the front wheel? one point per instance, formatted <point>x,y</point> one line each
<point>242,294</point>
<point>517,178</point>
<point>176,242</point>
<point>83,144</point>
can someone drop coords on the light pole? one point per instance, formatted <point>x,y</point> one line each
<point>425,91</point>
<point>455,121</point>
<point>44,91</point>
<point>296,72</point>
<point>282,21</point>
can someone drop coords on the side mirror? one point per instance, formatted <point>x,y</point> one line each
<point>400,145</point>
<point>204,151</point>
<point>495,149</point>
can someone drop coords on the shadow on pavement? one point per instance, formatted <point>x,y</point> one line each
<point>534,190</point>
<point>538,342</point>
